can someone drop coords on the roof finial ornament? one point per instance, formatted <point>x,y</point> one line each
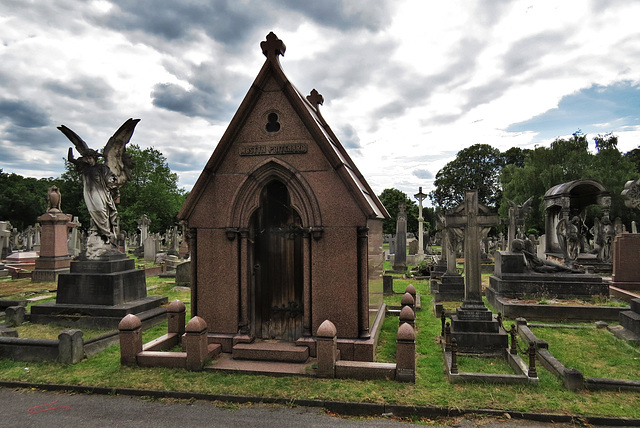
<point>273,46</point>
<point>316,99</point>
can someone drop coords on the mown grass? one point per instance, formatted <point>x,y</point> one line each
<point>430,389</point>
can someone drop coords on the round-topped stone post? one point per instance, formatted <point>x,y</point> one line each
<point>327,349</point>
<point>406,354</point>
<point>407,316</point>
<point>176,314</point>
<point>130,335</point>
<point>195,343</point>
<point>407,300</point>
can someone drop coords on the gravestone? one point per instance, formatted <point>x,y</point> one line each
<point>5,234</point>
<point>473,326</point>
<point>183,274</point>
<point>420,197</point>
<point>414,248</point>
<point>150,248</point>
<point>400,261</point>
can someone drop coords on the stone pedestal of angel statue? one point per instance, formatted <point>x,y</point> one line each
<point>102,180</point>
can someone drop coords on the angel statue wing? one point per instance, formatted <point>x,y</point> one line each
<point>116,158</point>
<point>81,146</point>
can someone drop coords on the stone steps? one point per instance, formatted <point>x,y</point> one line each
<point>271,351</point>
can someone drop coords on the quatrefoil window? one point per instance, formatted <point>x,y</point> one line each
<point>272,123</point>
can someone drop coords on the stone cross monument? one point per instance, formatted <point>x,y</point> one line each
<point>473,325</point>
<point>420,197</point>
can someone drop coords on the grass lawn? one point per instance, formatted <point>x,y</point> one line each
<point>430,389</point>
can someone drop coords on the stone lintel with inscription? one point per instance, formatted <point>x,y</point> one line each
<point>272,149</point>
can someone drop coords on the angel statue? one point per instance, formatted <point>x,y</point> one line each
<point>102,181</point>
<point>568,233</point>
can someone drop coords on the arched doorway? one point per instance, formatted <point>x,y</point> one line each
<point>276,231</point>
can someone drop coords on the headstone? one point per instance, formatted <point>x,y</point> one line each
<point>75,239</point>
<point>5,234</point>
<point>183,274</point>
<point>150,248</point>
<point>400,262</point>
<point>392,245</point>
<point>414,248</point>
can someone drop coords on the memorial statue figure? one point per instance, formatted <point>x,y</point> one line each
<point>569,237</point>
<point>102,181</point>
<point>536,264</point>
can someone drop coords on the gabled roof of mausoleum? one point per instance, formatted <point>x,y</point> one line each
<point>308,109</point>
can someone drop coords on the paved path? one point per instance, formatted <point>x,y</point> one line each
<point>29,408</point>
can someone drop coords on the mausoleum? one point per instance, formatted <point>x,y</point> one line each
<point>284,231</point>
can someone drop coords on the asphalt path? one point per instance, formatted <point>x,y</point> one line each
<point>33,408</point>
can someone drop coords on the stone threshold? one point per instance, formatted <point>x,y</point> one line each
<point>226,363</point>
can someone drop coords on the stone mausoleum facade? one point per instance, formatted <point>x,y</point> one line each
<point>284,230</point>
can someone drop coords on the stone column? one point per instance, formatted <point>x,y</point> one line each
<point>245,280</point>
<point>363,281</point>
<point>472,274</point>
<point>192,237</point>
<point>306,272</point>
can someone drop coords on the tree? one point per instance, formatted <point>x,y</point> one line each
<point>391,198</point>
<point>152,190</point>
<point>566,160</point>
<point>475,167</point>
<point>634,156</point>
<point>23,200</point>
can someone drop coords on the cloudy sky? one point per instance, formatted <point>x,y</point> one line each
<point>407,84</point>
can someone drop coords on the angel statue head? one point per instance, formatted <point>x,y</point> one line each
<point>101,182</point>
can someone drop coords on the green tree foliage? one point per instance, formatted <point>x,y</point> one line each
<point>391,198</point>
<point>634,156</point>
<point>153,190</point>
<point>23,200</point>
<point>475,167</point>
<point>566,160</point>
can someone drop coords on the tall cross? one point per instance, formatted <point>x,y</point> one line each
<point>472,219</point>
<point>420,197</point>
<point>273,46</point>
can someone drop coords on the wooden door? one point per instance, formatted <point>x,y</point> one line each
<point>278,288</point>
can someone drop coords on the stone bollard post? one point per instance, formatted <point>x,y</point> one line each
<point>447,337</point>
<point>14,316</point>
<point>532,361</point>
<point>407,316</point>
<point>406,354</point>
<point>454,356</point>
<point>327,349</point>
<point>513,350</point>
<point>176,313</point>
<point>70,346</point>
<point>196,343</point>
<point>408,300</point>
<point>130,339</point>
<point>387,285</point>
<point>443,320</point>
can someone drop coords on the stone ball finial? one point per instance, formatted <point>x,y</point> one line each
<point>196,325</point>
<point>406,332</point>
<point>327,329</point>
<point>176,306</point>
<point>129,323</point>
<point>410,289</point>
<point>407,299</point>
<point>406,314</point>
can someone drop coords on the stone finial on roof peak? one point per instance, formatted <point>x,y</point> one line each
<point>273,46</point>
<point>315,98</point>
